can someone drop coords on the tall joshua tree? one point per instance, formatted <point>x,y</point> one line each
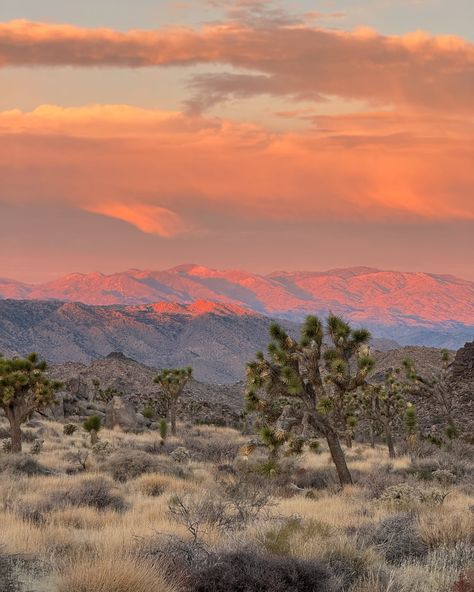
<point>172,382</point>
<point>299,390</point>
<point>24,389</point>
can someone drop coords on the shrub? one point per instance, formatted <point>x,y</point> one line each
<point>19,464</point>
<point>215,450</point>
<point>124,465</point>
<point>180,455</point>
<point>277,540</point>
<point>253,572</point>
<point>36,447</point>
<point>69,429</point>
<point>444,476</point>
<point>148,412</point>
<point>8,580</point>
<point>152,485</point>
<point>348,561</point>
<point>7,445</point>
<point>378,480</point>
<point>95,492</point>
<point>396,538</point>
<point>316,478</point>
<point>102,449</point>
<point>401,494</point>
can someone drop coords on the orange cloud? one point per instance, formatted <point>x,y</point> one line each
<point>148,218</point>
<point>155,169</point>
<point>417,69</point>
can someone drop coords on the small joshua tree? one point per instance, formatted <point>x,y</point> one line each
<point>24,389</point>
<point>93,425</point>
<point>411,424</point>
<point>163,430</point>
<point>299,391</point>
<point>382,404</point>
<point>172,383</point>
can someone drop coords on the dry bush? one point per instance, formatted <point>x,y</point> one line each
<point>117,574</point>
<point>8,578</point>
<point>250,571</point>
<point>348,561</point>
<point>124,465</point>
<point>437,573</point>
<point>395,537</point>
<point>446,528</point>
<point>378,479</point>
<point>214,450</point>
<point>95,492</point>
<point>153,485</point>
<point>21,464</point>
<point>323,478</point>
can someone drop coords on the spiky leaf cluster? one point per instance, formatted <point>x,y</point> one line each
<point>24,386</point>
<point>173,380</point>
<point>295,380</point>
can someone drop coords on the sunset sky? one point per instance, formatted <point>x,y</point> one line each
<point>303,134</point>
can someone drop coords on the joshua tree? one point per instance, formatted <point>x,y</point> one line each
<point>24,389</point>
<point>92,425</point>
<point>163,430</point>
<point>438,388</point>
<point>172,382</point>
<point>382,404</point>
<point>104,395</point>
<point>300,391</point>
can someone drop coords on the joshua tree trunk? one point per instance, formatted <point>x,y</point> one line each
<point>338,458</point>
<point>389,440</point>
<point>15,430</point>
<point>173,417</point>
<point>372,435</point>
<point>348,441</point>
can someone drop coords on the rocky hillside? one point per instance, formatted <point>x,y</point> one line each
<point>200,402</point>
<point>412,308</point>
<point>459,383</point>
<point>215,339</point>
<point>220,404</point>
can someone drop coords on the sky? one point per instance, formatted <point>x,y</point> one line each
<point>251,134</point>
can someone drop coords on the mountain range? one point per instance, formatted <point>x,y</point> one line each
<point>411,308</point>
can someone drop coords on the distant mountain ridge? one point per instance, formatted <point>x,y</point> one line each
<point>215,339</point>
<point>410,308</point>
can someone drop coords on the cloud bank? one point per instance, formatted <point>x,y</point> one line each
<point>414,70</point>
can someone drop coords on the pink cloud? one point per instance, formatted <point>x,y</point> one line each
<point>155,169</point>
<point>417,70</point>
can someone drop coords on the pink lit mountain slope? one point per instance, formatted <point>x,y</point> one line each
<point>414,308</point>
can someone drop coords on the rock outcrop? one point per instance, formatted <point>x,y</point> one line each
<point>119,412</point>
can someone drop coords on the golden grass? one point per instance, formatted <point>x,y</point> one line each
<point>95,550</point>
<point>113,574</point>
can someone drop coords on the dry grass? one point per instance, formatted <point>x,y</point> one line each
<point>112,575</point>
<point>79,547</point>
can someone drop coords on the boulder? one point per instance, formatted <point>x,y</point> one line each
<point>120,413</point>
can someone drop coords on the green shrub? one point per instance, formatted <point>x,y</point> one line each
<point>92,423</point>
<point>69,429</point>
